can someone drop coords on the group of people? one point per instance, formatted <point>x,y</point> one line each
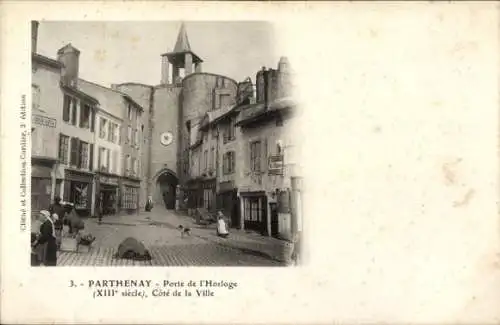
<point>46,240</point>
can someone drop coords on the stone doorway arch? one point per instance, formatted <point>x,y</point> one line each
<point>165,188</point>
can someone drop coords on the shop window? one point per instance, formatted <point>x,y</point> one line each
<point>129,198</point>
<point>63,148</point>
<point>253,209</point>
<point>79,194</point>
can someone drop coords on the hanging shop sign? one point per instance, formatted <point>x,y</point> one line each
<point>276,165</point>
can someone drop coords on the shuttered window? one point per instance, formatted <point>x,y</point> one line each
<point>91,157</point>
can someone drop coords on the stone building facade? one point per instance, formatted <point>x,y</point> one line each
<point>196,139</point>
<point>46,117</point>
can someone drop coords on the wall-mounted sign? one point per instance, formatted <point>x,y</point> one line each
<point>43,121</point>
<point>166,138</point>
<point>276,165</point>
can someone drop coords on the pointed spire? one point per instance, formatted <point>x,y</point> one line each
<point>182,44</point>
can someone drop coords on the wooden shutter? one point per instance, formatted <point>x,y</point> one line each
<point>82,114</point>
<point>91,156</point>
<point>98,158</point>
<point>74,152</point>
<point>92,120</point>
<point>108,160</point>
<point>264,155</point>
<point>66,106</point>
<point>78,153</point>
<point>73,116</point>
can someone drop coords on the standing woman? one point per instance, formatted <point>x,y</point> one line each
<point>47,238</point>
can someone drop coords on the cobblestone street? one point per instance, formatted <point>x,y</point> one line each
<point>157,230</point>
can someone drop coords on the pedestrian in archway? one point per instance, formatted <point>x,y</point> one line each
<point>149,204</point>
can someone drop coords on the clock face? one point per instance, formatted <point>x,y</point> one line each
<point>166,138</point>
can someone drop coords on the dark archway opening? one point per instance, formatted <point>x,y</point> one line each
<point>167,183</point>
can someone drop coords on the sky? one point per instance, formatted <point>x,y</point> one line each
<point>118,52</point>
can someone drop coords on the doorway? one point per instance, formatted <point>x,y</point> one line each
<point>167,184</point>
<point>274,219</point>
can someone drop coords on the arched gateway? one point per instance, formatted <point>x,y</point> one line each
<point>165,188</point>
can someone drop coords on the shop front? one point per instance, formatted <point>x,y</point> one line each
<point>254,211</point>
<point>209,195</point>
<point>228,202</point>
<point>107,188</point>
<point>42,184</point>
<point>129,198</point>
<point>78,190</point>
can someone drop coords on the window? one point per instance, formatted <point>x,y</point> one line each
<point>35,97</point>
<point>66,108</point>
<point>102,159</point>
<point>228,162</point>
<point>255,153</point>
<point>253,209</point>
<point>127,165</point>
<point>74,151</point>
<point>229,131</point>
<point>111,131</point>
<point>84,155</point>
<point>214,132</point>
<point>212,158</point>
<point>136,138</point>
<point>85,116</point>
<point>129,111</point>
<point>129,135</point>
<point>225,100</point>
<point>102,128</point>
<point>135,166</point>
<point>205,158</point>
<point>63,148</point>
<point>114,133</point>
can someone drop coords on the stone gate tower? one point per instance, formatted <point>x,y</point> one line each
<point>184,95</point>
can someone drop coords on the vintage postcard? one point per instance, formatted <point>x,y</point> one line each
<point>249,162</point>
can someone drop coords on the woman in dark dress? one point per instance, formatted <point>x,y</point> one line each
<point>47,238</point>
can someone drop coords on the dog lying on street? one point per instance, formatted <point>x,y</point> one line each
<point>184,230</point>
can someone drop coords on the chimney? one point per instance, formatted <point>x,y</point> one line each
<point>266,87</point>
<point>34,35</point>
<point>69,56</point>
